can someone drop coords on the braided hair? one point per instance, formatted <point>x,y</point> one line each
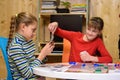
<point>16,20</point>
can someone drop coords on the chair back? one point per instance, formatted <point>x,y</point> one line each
<point>3,45</point>
<point>66,51</point>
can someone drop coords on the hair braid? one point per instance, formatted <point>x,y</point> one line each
<point>22,17</point>
<point>12,29</point>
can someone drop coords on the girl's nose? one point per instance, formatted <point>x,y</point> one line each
<point>90,32</point>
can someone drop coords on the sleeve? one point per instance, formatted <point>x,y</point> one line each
<point>105,55</point>
<point>65,34</point>
<point>21,62</point>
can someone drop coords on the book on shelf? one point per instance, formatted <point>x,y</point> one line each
<point>48,6</point>
<point>78,8</point>
<point>48,11</point>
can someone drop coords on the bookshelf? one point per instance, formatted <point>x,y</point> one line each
<point>48,8</point>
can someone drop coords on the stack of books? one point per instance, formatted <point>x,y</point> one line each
<point>48,6</point>
<point>78,8</point>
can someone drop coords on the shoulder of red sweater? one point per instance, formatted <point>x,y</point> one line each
<point>98,39</point>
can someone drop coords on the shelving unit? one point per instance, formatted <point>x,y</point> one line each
<point>44,12</point>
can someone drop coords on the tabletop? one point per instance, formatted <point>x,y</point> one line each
<point>79,71</point>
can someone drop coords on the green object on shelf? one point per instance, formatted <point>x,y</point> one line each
<point>66,4</point>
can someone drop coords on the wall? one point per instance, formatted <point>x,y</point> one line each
<point>109,10</point>
<point>9,8</point>
<point>12,7</point>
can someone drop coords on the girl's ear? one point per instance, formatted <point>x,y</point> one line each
<point>100,35</point>
<point>22,26</point>
<point>100,32</point>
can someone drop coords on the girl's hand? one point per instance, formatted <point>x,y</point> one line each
<point>52,27</point>
<point>86,57</point>
<point>47,49</point>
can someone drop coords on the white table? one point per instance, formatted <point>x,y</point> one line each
<point>60,73</point>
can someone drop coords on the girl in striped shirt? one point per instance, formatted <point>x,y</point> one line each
<point>21,47</point>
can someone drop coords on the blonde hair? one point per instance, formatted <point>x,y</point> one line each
<point>16,20</point>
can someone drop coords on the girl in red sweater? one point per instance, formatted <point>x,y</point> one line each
<point>85,46</point>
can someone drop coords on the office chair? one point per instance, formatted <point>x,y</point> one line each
<point>66,51</point>
<point>3,45</point>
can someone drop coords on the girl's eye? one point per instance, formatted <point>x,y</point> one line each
<point>94,31</point>
<point>88,28</point>
<point>34,30</point>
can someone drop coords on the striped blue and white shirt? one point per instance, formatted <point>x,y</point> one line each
<point>22,59</point>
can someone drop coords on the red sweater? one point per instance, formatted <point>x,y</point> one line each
<point>78,45</point>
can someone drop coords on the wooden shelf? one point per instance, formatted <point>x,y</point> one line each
<point>56,43</point>
<point>52,58</point>
<point>73,13</point>
<point>44,34</point>
<point>49,0</point>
